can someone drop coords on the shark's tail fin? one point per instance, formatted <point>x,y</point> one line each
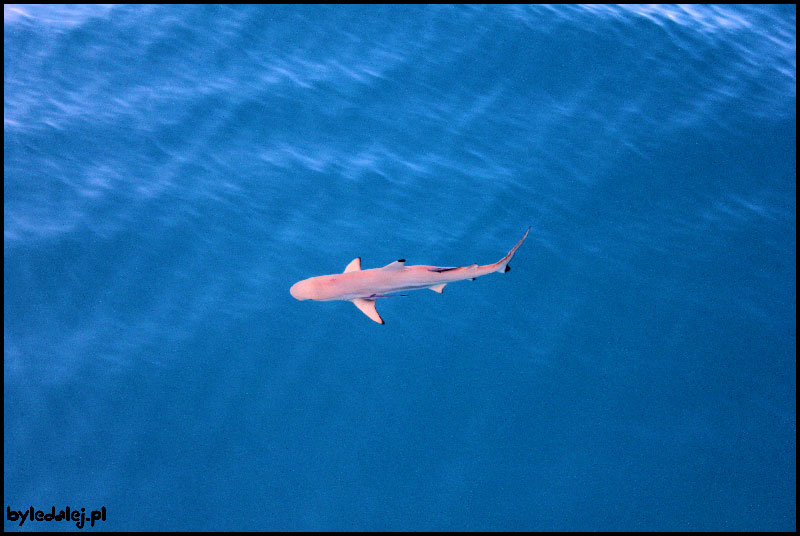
<point>502,264</point>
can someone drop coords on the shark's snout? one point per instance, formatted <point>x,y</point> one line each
<point>299,291</point>
<point>294,293</point>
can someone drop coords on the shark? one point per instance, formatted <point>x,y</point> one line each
<point>365,287</point>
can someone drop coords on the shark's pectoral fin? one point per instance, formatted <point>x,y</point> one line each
<point>354,266</point>
<point>368,308</point>
<point>438,288</point>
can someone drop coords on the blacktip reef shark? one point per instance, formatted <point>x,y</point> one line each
<point>364,287</point>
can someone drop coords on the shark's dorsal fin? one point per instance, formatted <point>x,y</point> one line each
<point>368,308</point>
<point>438,288</point>
<point>354,266</point>
<point>396,265</point>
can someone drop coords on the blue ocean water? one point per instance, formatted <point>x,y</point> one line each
<point>171,171</point>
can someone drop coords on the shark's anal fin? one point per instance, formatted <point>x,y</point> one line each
<point>354,266</point>
<point>438,288</point>
<point>368,308</point>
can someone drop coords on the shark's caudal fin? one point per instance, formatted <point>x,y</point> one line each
<point>502,264</point>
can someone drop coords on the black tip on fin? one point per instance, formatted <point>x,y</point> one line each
<point>508,269</point>
<point>473,279</point>
<point>401,260</point>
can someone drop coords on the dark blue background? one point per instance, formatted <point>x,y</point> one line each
<point>171,171</point>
